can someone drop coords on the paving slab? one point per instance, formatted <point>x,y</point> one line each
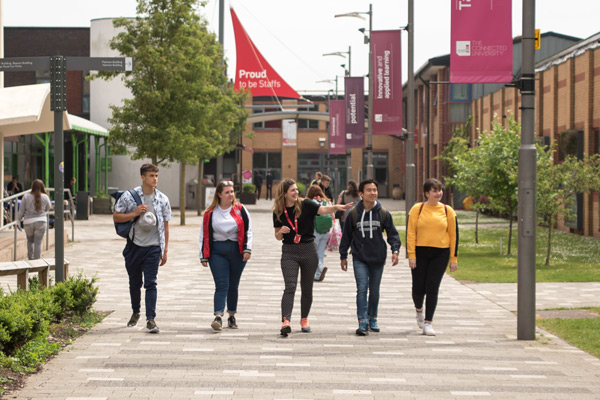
<point>474,355</point>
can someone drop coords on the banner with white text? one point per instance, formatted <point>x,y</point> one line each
<point>337,123</point>
<point>481,45</point>
<point>387,82</point>
<point>354,98</point>
<point>253,72</point>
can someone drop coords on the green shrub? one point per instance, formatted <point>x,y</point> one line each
<point>249,188</point>
<point>83,292</point>
<point>25,314</point>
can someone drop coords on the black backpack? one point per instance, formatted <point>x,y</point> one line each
<point>123,228</point>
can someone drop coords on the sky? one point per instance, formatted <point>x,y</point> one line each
<point>294,35</point>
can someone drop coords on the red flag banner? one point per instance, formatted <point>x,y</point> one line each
<point>337,123</point>
<point>387,82</point>
<point>253,72</point>
<point>354,97</point>
<point>481,49</point>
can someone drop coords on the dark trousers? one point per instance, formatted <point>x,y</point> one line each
<point>294,257</point>
<point>269,194</point>
<point>427,277</point>
<point>142,267</point>
<point>258,190</point>
<point>226,264</point>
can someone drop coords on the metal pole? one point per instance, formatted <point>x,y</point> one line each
<point>58,87</point>
<point>410,118</point>
<point>350,60</point>
<point>219,171</point>
<point>370,173</point>
<point>527,183</point>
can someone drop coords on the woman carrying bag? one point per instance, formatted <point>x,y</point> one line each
<point>293,220</point>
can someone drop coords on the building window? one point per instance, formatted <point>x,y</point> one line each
<point>266,124</point>
<point>459,112</point>
<point>460,92</point>
<point>263,162</point>
<point>309,123</point>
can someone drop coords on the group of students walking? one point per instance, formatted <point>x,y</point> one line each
<point>225,245</point>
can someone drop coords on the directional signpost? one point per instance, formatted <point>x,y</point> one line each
<point>58,66</point>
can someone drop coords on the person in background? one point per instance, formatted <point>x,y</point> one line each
<point>325,183</point>
<point>32,211</point>
<point>348,195</point>
<point>431,241</point>
<point>225,245</point>
<point>269,181</point>
<point>315,181</point>
<point>14,186</point>
<point>258,181</point>
<point>323,223</point>
<point>293,220</point>
<point>147,244</point>
<point>363,231</point>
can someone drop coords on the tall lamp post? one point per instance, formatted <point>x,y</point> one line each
<point>370,174</point>
<point>341,54</point>
<point>410,118</point>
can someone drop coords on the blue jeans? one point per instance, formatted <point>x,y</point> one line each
<point>368,278</point>
<point>226,264</point>
<point>321,242</point>
<point>142,262</point>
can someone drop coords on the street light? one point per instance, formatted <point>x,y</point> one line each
<point>356,14</point>
<point>332,81</point>
<point>342,54</point>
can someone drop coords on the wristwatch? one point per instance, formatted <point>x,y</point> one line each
<point>396,252</point>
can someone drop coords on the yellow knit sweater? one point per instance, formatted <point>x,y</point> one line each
<point>432,228</point>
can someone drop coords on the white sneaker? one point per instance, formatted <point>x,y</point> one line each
<point>420,319</point>
<point>428,329</point>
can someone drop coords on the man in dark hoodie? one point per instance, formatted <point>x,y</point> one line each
<point>363,231</point>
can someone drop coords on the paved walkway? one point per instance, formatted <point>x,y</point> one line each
<point>475,354</point>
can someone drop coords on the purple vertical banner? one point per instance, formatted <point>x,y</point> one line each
<point>387,82</point>
<point>337,123</point>
<point>354,97</point>
<point>481,49</point>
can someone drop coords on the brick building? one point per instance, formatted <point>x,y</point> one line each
<point>567,105</point>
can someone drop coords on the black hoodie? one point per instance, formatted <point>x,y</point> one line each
<point>366,237</point>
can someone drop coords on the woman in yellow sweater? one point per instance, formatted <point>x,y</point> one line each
<point>431,241</point>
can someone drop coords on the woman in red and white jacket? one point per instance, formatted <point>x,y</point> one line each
<point>225,245</point>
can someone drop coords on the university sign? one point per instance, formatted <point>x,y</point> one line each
<point>481,41</point>
<point>253,72</point>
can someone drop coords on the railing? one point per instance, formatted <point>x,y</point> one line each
<point>9,213</point>
<point>69,212</point>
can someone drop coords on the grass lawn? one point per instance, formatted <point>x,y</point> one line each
<point>583,333</point>
<point>573,259</point>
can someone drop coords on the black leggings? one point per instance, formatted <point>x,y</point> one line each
<point>427,277</point>
<point>301,256</point>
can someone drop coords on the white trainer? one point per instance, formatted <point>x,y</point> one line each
<point>428,329</point>
<point>420,319</point>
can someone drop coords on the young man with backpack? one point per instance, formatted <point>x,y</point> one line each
<point>147,241</point>
<point>363,231</point>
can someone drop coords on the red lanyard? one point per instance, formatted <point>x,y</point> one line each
<point>290,222</point>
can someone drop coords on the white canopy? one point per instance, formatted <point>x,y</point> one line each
<point>26,109</point>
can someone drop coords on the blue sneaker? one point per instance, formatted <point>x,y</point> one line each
<point>373,325</point>
<point>363,328</point>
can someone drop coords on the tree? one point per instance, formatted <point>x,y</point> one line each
<point>182,108</point>
<point>558,185</point>
<point>464,168</point>
<point>497,169</point>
